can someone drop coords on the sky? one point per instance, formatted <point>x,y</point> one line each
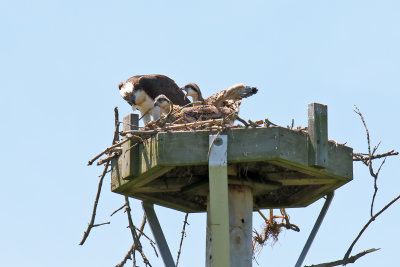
<point>61,62</point>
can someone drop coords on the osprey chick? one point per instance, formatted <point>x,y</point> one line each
<point>140,91</point>
<point>235,92</point>
<point>193,114</point>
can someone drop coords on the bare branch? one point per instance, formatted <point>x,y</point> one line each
<point>182,236</point>
<point>120,208</point>
<point>116,122</point>
<point>100,224</point>
<point>136,241</point>
<point>131,251</point>
<point>91,223</point>
<point>366,129</point>
<point>107,159</point>
<point>369,161</point>
<point>108,149</point>
<point>352,259</point>
<point>365,158</point>
<point>367,224</point>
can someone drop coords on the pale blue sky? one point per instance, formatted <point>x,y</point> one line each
<point>61,62</point>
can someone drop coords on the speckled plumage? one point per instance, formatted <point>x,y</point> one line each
<point>193,114</point>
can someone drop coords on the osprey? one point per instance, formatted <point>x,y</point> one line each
<point>180,114</point>
<point>235,93</point>
<point>140,92</point>
<point>229,98</point>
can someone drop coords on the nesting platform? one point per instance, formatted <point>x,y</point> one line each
<point>284,168</point>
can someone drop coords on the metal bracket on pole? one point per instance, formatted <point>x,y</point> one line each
<point>158,234</point>
<point>315,229</point>
<point>218,214</point>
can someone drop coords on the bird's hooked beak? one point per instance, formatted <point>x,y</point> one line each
<point>132,100</point>
<point>185,91</point>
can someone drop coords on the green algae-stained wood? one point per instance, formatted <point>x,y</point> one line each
<point>277,144</point>
<point>156,160</point>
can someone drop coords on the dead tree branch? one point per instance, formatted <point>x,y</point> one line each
<point>120,208</point>
<point>367,224</point>
<point>367,159</point>
<point>352,259</point>
<point>108,158</point>
<point>136,241</point>
<point>131,251</point>
<point>182,236</point>
<point>117,123</point>
<point>91,223</point>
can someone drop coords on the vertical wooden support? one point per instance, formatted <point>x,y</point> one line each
<point>241,225</point>
<point>217,249</point>
<point>158,234</point>
<point>130,122</point>
<point>318,135</point>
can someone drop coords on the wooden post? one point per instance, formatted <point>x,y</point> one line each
<point>130,122</point>
<point>217,243</point>
<point>229,213</point>
<point>240,225</point>
<point>318,135</point>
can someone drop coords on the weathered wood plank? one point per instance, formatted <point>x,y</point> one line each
<point>318,135</point>
<point>217,247</point>
<point>170,202</point>
<point>130,156</point>
<point>240,225</point>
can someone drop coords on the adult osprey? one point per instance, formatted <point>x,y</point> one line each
<point>140,91</point>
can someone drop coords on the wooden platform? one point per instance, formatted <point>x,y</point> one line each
<point>282,166</point>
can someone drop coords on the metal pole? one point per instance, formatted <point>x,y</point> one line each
<point>158,234</point>
<point>315,229</point>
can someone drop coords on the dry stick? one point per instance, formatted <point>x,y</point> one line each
<point>150,241</point>
<point>108,149</point>
<point>132,249</point>
<point>242,121</point>
<point>365,158</point>
<point>252,124</point>
<point>183,235</point>
<point>368,223</point>
<point>352,259</point>
<point>268,123</point>
<point>136,241</point>
<point>91,223</point>
<point>108,158</point>
<point>116,122</point>
<point>100,224</point>
<point>120,208</point>
<point>369,162</point>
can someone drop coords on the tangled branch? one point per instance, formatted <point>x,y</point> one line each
<point>136,241</point>
<point>131,251</point>
<point>272,229</point>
